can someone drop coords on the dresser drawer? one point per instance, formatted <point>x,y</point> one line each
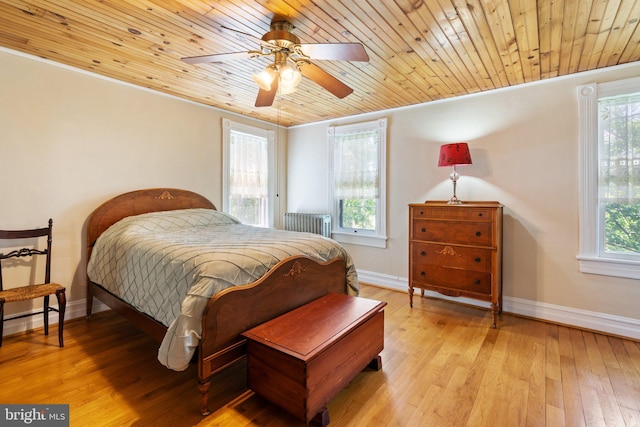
<point>476,259</point>
<point>455,232</point>
<point>451,278</point>
<point>453,212</point>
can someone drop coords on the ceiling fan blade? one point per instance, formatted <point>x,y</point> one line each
<point>265,97</point>
<point>220,57</point>
<point>240,35</point>
<point>335,51</point>
<point>326,80</point>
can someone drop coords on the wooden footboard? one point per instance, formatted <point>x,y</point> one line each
<point>290,284</point>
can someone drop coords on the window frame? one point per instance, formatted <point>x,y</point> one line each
<point>374,238</point>
<point>227,127</point>
<point>591,257</point>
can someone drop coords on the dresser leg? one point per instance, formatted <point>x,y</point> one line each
<point>321,419</point>
<point>494,315</point>
<point>411,296</point>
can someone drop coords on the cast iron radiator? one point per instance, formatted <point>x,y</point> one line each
<point>309,222</point>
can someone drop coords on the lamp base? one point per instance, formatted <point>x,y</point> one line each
<point>454,178</point>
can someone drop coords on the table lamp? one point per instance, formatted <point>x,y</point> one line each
<point>453,155</point>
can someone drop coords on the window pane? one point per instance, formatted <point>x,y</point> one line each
<point>356,160</point>
<point>356,179</point>
<point>249,178</point>
<point>358,214</point>
<point>249,210</point>
<point>619,173</point>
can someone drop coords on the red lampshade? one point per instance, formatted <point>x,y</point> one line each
<point>454,154</point>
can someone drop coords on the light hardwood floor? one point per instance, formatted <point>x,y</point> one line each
<point>442,366</point>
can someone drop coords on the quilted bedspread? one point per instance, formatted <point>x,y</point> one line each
<point>168,264</point>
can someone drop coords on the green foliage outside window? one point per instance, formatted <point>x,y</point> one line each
<point>358,214</point>
<point>622,228</point>
<point>246,209</point>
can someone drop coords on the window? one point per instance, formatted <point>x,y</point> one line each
<point>610,178</point>
<point>357,187</point>
<point>248,173</point>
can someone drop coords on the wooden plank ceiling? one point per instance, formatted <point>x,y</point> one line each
<point>420,50</point>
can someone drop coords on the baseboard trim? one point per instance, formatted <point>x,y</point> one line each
<point>73,310</point>
<point>584,319</point>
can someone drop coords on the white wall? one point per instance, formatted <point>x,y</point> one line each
<point>71,140</point>
<point>524,147</point>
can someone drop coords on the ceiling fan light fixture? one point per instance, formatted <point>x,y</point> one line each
<point>290,77</point>
<point>265,78</point>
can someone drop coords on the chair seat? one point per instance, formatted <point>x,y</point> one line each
<point>24,293</point>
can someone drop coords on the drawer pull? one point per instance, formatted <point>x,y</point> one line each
<point>422,273</point>
<point>480,214</point>
<point>448,250</point>
<point>478,234</point>
<point>478,259</point>
<point>477,282</point>
<point>423,253</point>
<point>423,229</point>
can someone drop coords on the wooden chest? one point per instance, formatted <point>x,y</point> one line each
<point>456,250</point>
<point>302,359</point>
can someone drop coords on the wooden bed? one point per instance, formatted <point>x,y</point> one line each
<point>293,282</point>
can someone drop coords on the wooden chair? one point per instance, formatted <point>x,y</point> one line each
<point>45,289</point>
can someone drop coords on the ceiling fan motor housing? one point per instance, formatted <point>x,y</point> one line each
<point>281,35</point>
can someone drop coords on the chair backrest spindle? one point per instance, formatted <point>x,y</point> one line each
<point>27,252</point>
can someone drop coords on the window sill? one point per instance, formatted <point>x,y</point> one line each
<point>609,267</point>
<point>360,239</point>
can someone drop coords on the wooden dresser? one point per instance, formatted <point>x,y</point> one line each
<point>456,250</point>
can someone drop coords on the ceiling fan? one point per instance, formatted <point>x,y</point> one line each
<point>291,61</point>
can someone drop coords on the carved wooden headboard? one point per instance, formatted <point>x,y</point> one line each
<point>139,202</point>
